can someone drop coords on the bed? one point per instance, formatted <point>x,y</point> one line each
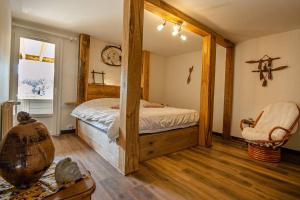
<point>162,129</point>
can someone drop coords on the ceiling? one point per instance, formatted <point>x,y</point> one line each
<point>237,20</point>
<point>240,20</point>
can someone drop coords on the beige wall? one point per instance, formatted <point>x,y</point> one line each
<point>219,90</point>
<point>177,92</point>
<point>5,38</point>
<point>180,94</point>
<point>112,74</point>
<point>249,96</point>
<point>157,78</point>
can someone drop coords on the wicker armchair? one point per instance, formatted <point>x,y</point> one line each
<point>272,129</point>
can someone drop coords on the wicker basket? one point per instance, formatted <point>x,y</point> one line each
<point>265,154</point>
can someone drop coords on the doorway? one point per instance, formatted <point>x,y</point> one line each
<point>35,77</point>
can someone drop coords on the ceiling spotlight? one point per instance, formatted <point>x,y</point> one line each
<point>183,37</point>
<point>176,29</point>
<point>161,26</point>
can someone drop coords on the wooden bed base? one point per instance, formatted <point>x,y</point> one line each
<point>151,145</point>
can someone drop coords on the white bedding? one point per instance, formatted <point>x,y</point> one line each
<point>99,113</point>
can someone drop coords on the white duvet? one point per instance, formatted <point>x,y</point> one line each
<point>99,113</point>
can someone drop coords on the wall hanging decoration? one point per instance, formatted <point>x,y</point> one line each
<point>190,75</point>
<point>265,68</point>
<point>102,76</point>
<point>112,55</point>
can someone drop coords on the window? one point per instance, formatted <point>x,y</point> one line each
<point>36,76</point>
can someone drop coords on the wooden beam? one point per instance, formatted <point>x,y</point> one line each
<point>130,85</point>
<point>207,90</point>
<point>145,75</point>
<point>83,69</point>
<point>172,14</point>
<point>228,92</point>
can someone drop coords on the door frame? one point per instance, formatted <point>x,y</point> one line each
<point>18,32</point>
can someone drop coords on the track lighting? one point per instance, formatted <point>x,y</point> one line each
<point>161,26</point>
<point>176,29</point>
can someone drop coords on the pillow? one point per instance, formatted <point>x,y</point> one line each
<point>154,105</point>
<point>115,106</point>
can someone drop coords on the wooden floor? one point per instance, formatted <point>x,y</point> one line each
<point>222,172</point>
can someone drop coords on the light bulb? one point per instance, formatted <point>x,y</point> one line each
<point>175,32</point>
<point>176,27</point>
<point>183,37</point>
<point>160,27</point>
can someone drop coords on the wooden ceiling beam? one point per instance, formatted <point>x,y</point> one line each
<point>172,14</point>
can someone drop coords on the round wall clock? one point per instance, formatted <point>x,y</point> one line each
<point>112,55</point>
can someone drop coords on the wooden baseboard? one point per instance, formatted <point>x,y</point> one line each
<point>288,155</point>
<point>67,131</point>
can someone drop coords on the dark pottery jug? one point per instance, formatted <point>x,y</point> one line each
<point>26,152</point>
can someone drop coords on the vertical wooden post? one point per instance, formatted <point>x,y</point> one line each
<point>130,85</point>
<point>207,90</point>
<point>228,92</point>
<point>83,69</point>
<point>6,117</point>
<point>145,75</point>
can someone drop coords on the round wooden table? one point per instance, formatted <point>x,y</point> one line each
<point>82,190</point>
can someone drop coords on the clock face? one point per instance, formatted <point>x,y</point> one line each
<point>112,55</point>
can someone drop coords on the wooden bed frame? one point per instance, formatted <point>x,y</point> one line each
<point>150,145</point>
<point>132,147</point>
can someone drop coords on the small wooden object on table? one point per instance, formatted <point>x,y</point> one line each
<point>81,190</point>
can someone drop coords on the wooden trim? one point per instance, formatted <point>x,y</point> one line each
<point>67,131</point>
<point>228,92</point>
<point>145,75</point>
<point>207,90</point>
<point>83,68</point>
<point>130,84</point>
<point>170,13</point>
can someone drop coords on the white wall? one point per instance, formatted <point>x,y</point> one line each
<point>249,96</point>
<point>69,82</point>
<point>112,74</point>
<point>5,38</point>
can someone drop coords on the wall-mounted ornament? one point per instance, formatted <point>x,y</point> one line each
<point>112,55</point>
<point>190,75</point>
<point>265,68</point>
<point>102,76</point>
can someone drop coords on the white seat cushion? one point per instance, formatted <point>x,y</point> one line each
<point>257,134</point>
<point>281,114</point>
